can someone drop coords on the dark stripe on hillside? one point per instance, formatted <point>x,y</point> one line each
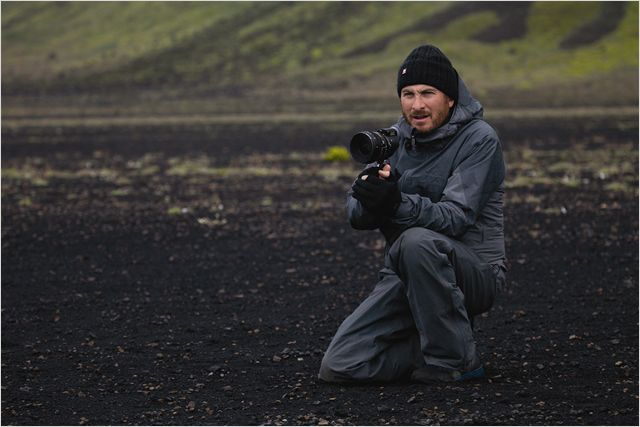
<point>611,13</point>
<point>512,23</point>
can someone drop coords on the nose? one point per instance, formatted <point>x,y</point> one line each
<point>418,104</point>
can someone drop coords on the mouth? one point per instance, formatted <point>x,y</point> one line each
<point>420,117</point>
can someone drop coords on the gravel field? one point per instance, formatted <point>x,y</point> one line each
<point>196,274</point>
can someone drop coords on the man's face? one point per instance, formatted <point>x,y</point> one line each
<point>424,107</point>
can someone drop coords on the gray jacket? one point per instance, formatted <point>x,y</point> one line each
<point>452,182</point>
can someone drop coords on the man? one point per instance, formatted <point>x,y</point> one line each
<point>438,202</point>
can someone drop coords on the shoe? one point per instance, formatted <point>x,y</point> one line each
<point>432,373</point>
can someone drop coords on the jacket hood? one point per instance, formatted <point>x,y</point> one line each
<point>466,109</point>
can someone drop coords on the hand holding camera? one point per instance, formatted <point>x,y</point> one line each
<point>377,190</point>
<point>383,172</point>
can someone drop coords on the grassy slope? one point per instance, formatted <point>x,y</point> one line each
<point>312,46</point>
<point>41,39</point>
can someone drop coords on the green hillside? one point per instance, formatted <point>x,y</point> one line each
<point>557,53</point>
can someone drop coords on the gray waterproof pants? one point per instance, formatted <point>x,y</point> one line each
<point>418,313</point>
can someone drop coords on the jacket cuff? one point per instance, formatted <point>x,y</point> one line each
<point>402,211</point>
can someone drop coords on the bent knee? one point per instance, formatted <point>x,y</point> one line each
<point>332,372</point>
<point>339,367</point>
<point>421,243</point>
<point>417,237</point>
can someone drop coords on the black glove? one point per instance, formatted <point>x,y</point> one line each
<point>370,171</point>
<point>378,196</point>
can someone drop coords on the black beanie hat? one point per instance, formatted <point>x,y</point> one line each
<point>427,65</point>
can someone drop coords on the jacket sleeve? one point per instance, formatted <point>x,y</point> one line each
<point>467,191</point>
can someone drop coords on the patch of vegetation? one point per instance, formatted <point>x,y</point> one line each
<point>25,202</point>
<point>336,153</point>
<point>121,192</point>
<point>177,210</point>
<point>623,187</point>
<point>614,167</point>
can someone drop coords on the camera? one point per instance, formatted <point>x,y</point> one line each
<point>374,146</point>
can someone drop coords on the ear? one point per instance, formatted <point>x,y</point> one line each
<point>451,102</point>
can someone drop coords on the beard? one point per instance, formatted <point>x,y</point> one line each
<point>425,126</point>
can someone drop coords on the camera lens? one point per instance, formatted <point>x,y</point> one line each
<point>362,147</point>
<point>369,147</point>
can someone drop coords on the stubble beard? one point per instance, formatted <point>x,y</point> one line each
<point>437,121</point>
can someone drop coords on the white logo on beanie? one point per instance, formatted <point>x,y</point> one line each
<point>404,71</point>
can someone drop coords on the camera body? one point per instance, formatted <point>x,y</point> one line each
<point>374,146</point>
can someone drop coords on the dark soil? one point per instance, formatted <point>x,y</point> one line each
<point>196,276</point>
